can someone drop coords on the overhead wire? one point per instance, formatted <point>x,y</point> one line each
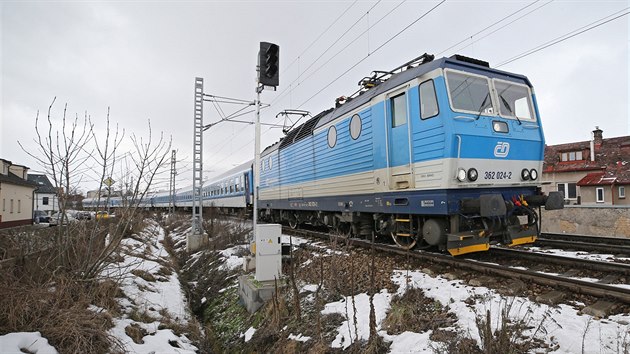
<point>568,35</point>
<point>290,90</point>
<point>374,51</point>
<point>361,60</point>
<point>494,24</point>
<point>320,35</point>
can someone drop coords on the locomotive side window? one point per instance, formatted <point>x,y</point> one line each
<point>514,100</point>
<point>355,126</point>
<point>469,93</point>
<point>428,100</point>
<point>332,136</point>
<point>399,110</point>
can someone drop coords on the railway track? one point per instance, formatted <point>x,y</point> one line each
<point>612,245</point>
<point>569,284</point>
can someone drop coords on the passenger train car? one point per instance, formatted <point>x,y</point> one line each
<point>440,153</point>
<point>231,191</point>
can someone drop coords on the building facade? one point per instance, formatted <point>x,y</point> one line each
<point>16,195</point>
<point>595,172</point>
<point>46,198</point>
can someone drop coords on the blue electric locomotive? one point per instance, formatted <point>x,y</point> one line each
<point>442,153</point>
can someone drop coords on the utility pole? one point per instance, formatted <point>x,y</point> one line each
<point>171,185</point>
<point>196,238</point>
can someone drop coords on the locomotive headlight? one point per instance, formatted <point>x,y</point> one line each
<point>461,175</point>
<point>533,174</point>
<point>473,174</point>
<point>525,174</point>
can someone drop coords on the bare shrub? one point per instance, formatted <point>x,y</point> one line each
<point>60,310</point>
<point>514,330</point>
<point>416,313</point>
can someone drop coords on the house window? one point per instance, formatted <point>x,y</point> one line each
<point>11,206</point>
<point>622,192</point>
<point>19,205</point>
<point>4,205</point>
<point>45,200</point>
<point>599,191</point>
<point>571,156</point>
<point>569,190</point>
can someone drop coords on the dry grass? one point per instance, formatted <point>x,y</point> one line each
<point>53,293</point>
<point>144,275</point>
<point>416,313</point>
<point>59,310</point>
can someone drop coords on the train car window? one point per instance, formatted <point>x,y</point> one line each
<point>469,93</point>
<point>332,136</point>
<point>355,126</point>
<point>514,100</point>
<point>399,110</point>
<point>428,100</point>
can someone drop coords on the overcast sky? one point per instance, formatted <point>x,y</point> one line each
<point>140,59</point>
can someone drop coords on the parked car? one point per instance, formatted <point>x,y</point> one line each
<point>83,215</point>
<point>102,215</point>
<point>40,216</point>
<point>56,219</point>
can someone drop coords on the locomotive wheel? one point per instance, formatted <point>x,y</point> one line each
<point>404,242</point>
<point>344,229</point>
<point>403,234</point>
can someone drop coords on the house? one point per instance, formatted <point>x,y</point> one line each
<point>595,172</point>
<point>46,198</point>
<point>16,195</point>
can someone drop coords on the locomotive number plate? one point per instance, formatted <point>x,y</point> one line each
<point>497,175</point>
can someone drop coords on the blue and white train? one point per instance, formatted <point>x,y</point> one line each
<point>436,153</point>
<point>231,191</point>
<point>442,153</point>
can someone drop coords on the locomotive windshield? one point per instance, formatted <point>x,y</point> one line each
<point>514,100</point>
<point>471,93</point>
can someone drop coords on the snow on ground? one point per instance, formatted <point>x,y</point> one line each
<point>557,325</point>
<point>25,342</point>
<point>152,298</point>
<point>346,332</point>
<point>230,258</point>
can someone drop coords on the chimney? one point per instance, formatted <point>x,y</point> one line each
<point>596,141</point>
<point>597,137</point>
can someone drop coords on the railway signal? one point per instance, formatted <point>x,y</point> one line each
<point>269,63</point>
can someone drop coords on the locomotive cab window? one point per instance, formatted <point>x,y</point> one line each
<point>399,110</point>
<point>428,100</point>
<point>469,93</point>
<point>514,100</point>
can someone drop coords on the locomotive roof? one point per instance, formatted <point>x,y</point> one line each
<point>306,129</point>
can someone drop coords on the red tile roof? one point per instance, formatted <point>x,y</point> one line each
<point>612,159</point>
<point>597,179</point>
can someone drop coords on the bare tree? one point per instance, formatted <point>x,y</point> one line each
<point>75,149</point>
<point>61,151</point>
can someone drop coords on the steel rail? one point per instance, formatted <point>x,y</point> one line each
<point>554,281</point>
<point>588,264</point>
